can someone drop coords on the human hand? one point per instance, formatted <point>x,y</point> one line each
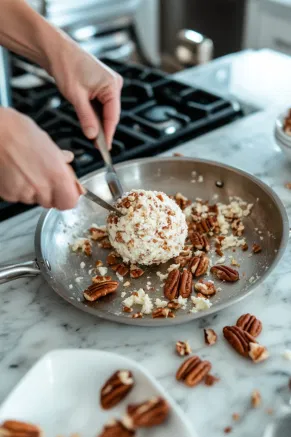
<point>32,168</point>
<point>81,78</point>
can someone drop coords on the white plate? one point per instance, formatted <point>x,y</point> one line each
<point>61,394</point>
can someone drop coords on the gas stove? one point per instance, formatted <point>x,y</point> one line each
<point>157,113</point>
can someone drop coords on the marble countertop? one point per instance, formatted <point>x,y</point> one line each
<point>34,320</point>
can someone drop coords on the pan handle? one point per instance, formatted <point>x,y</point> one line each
<point>17,271</point>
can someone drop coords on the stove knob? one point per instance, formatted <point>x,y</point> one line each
<point>193,48</point>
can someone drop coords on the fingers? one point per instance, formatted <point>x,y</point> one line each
<point>111,114</point>
<point>68,156</point>
<point>86,116</point>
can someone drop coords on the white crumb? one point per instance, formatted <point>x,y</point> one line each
<point>70,286</point>
<point>200,304</point>
<point>79,279</point>
<point>123,294</point>
<point>287,354</point>
<point>173,267</point>
<point>119,277</point>
<point>161,303</point>
<point>82,265</point>
<point>102,270</point>
<point>161,276</point>
<point>200,179</point>
<point>126,284</point>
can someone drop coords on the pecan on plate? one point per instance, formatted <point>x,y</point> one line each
<point>135,271</point>
<point>193,371</point>
<point>198,265</point>
<point>116,388</point>
<point>244,247</point>
<point>207,288</point>
<point>210,336</point>
<point>87,247</point>
<point>199,241</point>
<point>122,269</point>
<point>210,224</point>
<point>256,248</point>
<point>182,260</point>
<point>258,352</point>
<point>225,273</point>
<point>183,348</point>
<point>14,428</point>
<point>113,258</point>
<point>240,340</point>
<point>99,279</point>
<point>185,284</point>
<point>171,288</point>
<point>116,429</point>
<point>162,313</point>
<point>137,315</point>
<point>250,323</point>
<point>97,233</point>
<point>105,243</point>
<point>95,291</point>
<point>237,227</point>
<point>174,305</point>
<point>182,201</point>
<point>149,413</point>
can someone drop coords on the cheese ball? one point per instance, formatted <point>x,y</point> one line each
<point>151,230</point>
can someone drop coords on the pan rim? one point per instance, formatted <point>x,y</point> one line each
<point>185,317</point>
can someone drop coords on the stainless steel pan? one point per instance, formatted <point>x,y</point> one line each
<point>56,230</point>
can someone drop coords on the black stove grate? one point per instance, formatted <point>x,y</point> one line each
<point>157,113</point>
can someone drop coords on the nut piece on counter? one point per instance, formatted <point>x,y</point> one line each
<point>258,352</point>
<point>193,371</point>
<point>256,399</point>
<point>250,323</point>
<point>210,336</point>
<point>116,388</point>
<point>116,429</point>
<point>225,273</point>
<point>240,340</point>
<point>183,348</point>
<point>236,417</point>
<point>95,291</point>
<point>227,430</point>
<point>14,428</point>
<point>153,412</point>
<point>210,380</point>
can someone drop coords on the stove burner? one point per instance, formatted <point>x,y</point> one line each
<point>157,113</point>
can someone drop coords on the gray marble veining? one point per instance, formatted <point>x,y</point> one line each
<point>35,320</point>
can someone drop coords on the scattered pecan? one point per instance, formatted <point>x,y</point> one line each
<point>256,399</point>
<point>116,429</point>
<point>149,413</point>
<point>210,336</point>
<point>87,247</point>
<point>237,227</point>
<point>199,241</point>
<point>182,260</point>
<point>185,284</point>
<point>183,348</point>
<point>258,352</point>
<point>14,428</point>
<point>113,258</point>
<point>116,388</point>
<point>198,265</point>
<point>99,279</point>
<point>208,225</point>
<point>244,247</point>
<point>236,417</point>
<point>210,380</point>
<point>256,248</point>
<point>207,288</point>
<point>95,291</point>
<point>218,252</point>
<point>182,201</point>
<point>127,309</point>
<point>105,243</point>
<point>98,263</point>
<point>227,430</point>
<point>162,313</point>
<point>178,154</point>
<point>171,287</point>
<point>250,323</point>
<point>135,271</point>
<point>193,371</point>
<point>240,340</point>
<point>122,269</point>
<point>288,184</point>
<point>97,233</point>
<point>225,273</point>
<point>174,305</point>
<point>137,315</point>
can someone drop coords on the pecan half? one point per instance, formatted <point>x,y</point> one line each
<point>97,233</point>
<point>183,348</point>
<point>193,371</point>
<point>185,284</point>
<point>99,279</point>
<point>116,429</point>
<point>199,241</point>
<point>250,323</point>
<point>209,224</point>
<point>162,313</point>
<point>198,265</point>
<point>182,260</point>
<point>105,243</point>
<point>122,269</point>
<point>116,388</point>
<point>225,273</point>
<point>207,288</point>
<point>95,291</point>
<point>14,428</point>
<point>149,413</point>
<point>210,336</point>
<point>258,352</point>
<point>135,271</point>
<point>240,340</point>
<point>256,248</point>
<point>171,288</point>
